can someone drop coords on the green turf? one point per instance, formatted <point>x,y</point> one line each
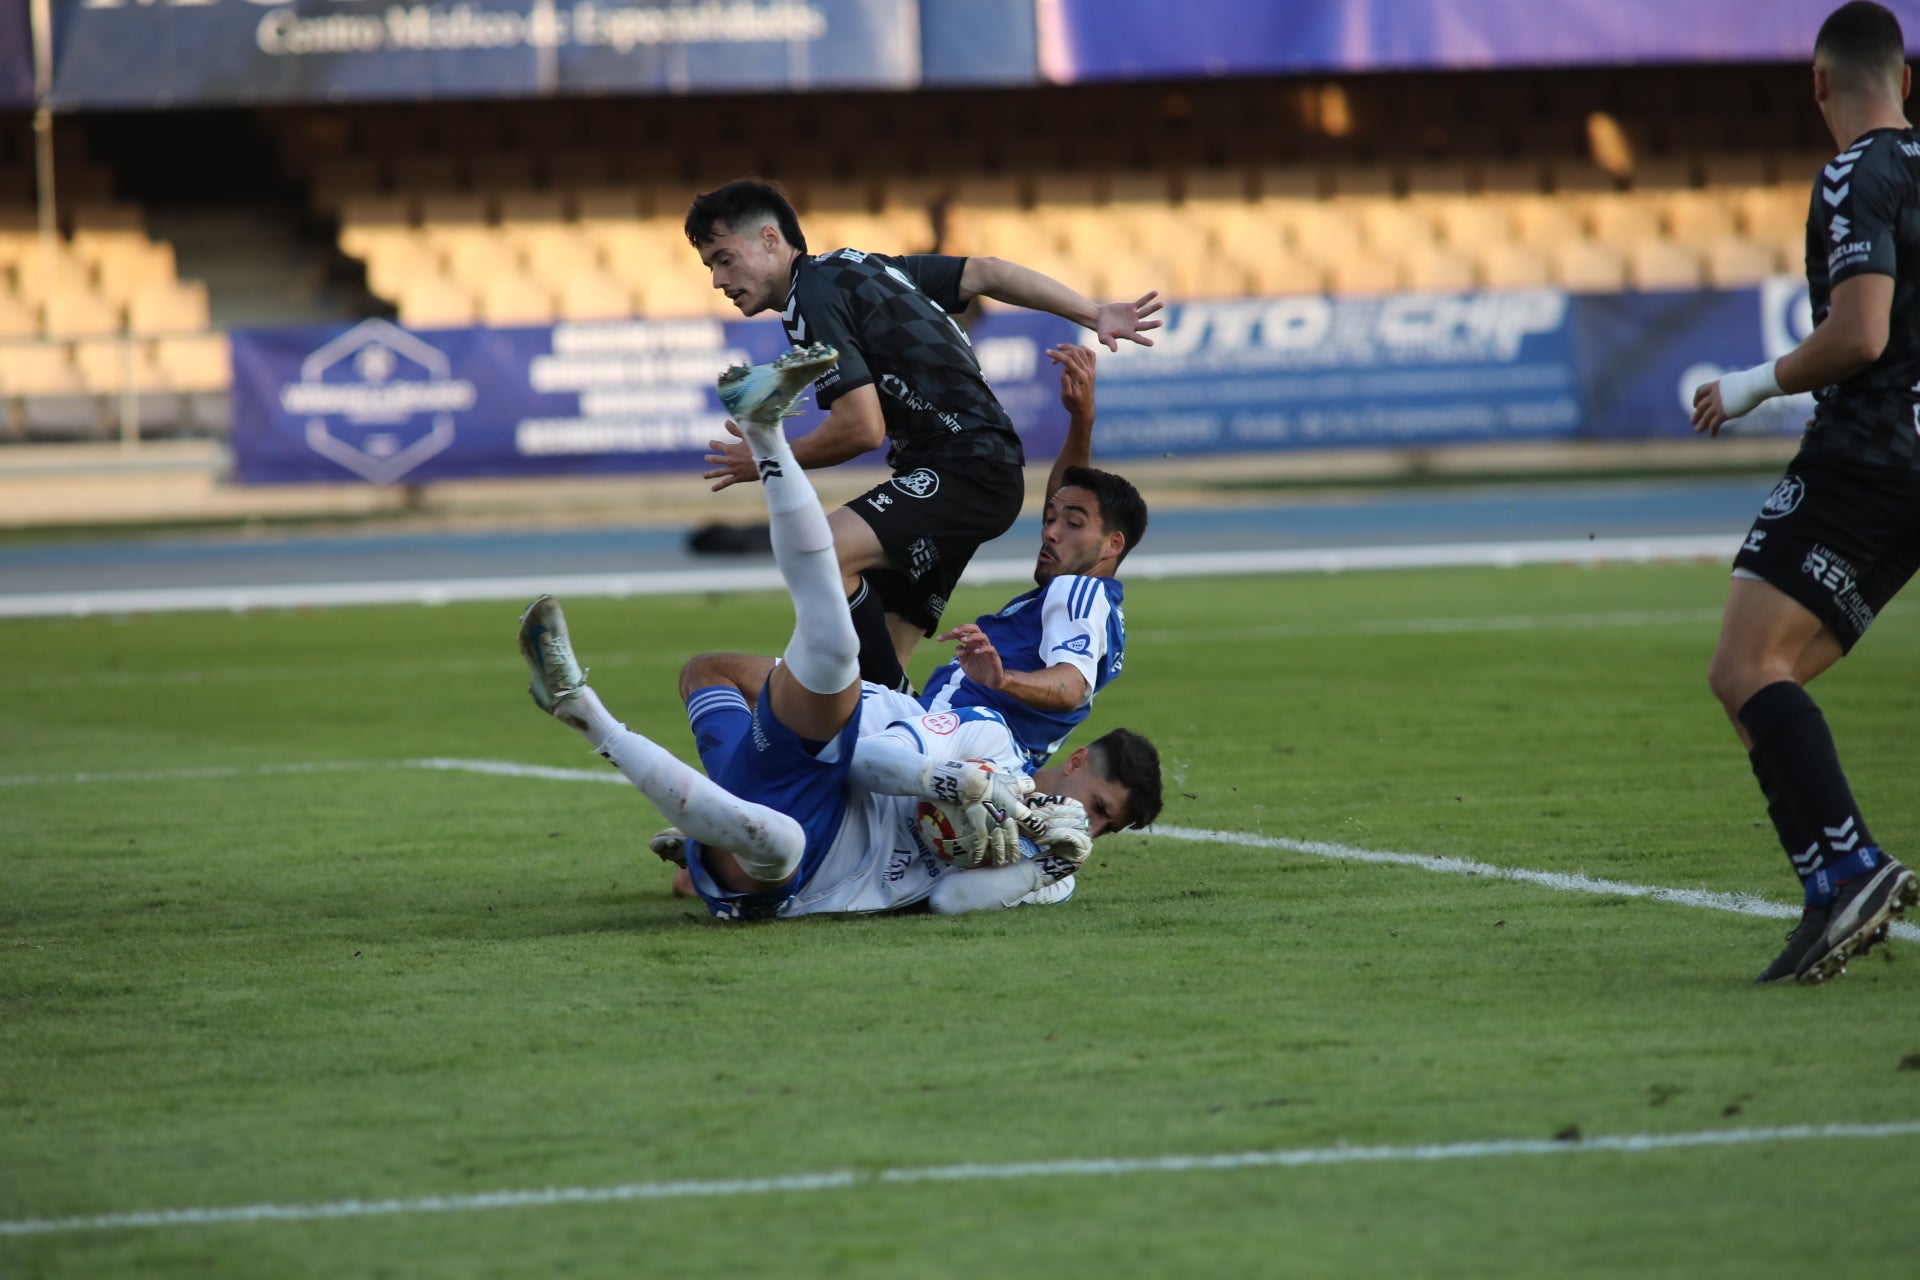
<point>304,987</point>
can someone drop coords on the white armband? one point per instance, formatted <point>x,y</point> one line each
<point>1743,390</point>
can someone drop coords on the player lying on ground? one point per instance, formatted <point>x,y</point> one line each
<point>1840,534</point>
<point>1040,660</point>
<point>802,815</point>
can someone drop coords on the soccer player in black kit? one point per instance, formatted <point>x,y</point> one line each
<point>1840,534</point>
<point>906,375</point>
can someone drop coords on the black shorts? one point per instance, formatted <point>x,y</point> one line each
<point>1840,537</point>
<point>930,521</point>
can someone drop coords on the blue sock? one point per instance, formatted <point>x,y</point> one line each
<point>1819,887</point>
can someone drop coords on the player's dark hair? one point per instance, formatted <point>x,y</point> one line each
<point>1129,759</point>
<point>1863,46</point>
<point>742,205</point>
<point>1121,506</point>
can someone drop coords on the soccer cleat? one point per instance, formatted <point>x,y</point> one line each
<point>1813,924</point>
<point>1862,911</point>
<point>765,393</point>
<point>671,846</point>
<point>557,677</point>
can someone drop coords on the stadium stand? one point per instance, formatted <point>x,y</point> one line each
<point>507,214</point>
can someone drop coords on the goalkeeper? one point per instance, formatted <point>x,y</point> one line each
<point>804,815</point>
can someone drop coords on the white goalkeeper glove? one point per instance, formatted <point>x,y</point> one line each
<point>1058,824</point>
<point>984,805</point>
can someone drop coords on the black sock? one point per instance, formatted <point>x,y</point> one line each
<point>878,661</point>
<point>1793,750</point>
<point>1796,837</point>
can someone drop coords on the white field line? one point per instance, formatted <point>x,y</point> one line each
<point>522,588</point>
<point>847,1179</point>
<point>1745,904</point>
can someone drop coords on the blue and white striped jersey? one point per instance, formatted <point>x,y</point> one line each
<point>1072,619</point>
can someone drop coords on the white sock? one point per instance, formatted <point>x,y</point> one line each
<point>590,716</point>
<point>767,843</point>
<point>824,653</point>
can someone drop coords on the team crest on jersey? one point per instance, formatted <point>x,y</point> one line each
<point>1081,645</point>
<point>942,723</point>
<point>918,484</point>
<point>1784,499</point>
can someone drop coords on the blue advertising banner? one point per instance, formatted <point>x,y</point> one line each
<point>384,405</point>
<point>984,42</point>
<point>1127,39</point>
<point>16,55</point>
<point>123,53</point>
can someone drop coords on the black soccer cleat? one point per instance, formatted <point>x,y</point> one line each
<point>1862,911</point>
<point>1812,926</point>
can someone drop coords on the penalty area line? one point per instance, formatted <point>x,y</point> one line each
<point>1746,904</point>
<point>846,1179</point>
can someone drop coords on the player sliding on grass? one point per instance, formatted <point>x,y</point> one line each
<point>801,814</point>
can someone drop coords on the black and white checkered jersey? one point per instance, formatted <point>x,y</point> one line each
<point>889,317</point>
<point>1865,220</point>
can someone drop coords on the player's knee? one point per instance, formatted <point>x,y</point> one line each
<point>703,671</point>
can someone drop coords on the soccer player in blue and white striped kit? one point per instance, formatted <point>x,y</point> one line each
<point>1040,660</point>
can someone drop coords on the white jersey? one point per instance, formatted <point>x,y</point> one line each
<point>875,862</point>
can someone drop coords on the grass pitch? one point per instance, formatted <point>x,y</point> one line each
<point>279,968</point>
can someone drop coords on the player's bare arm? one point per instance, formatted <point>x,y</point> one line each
<point>1851,337</point>
<point>1076,396</point>
<point>1019,286</point>
<point>1060,687</point>
<point>853,427</point>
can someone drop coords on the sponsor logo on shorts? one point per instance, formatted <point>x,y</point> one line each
<point>880,501</point>
<point>1835,573</point>
<point>760,742</point>
<point>924,554</point>
<point>936,605</point>
<point>1754,538</point>
<point>1784,499</point>
<point>898,863</point>
<point>918,484</point>
<point>943,722</point>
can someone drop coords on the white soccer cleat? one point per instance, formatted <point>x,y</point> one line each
<point>556,677</point>
<point>763,394</point>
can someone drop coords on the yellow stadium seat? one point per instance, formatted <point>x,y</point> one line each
<point>584,295</point>
<point>196,362</point>
<point>1514,266</point>
<point>1430,269</point>
<point>1281,273</point>
<point>1467,223</point>
<point>1773,213</point>
<point>80,312</point>
<point>18,318</point>
<point>434,302</point>
<point>109,366</point>
<point>126,267</point>
<point>1586,266</point>
<point>1734,169</point>
<point>1321,232</point>
<point>38,369</point>
<point>1546,221</point>
<point>1700,218</point>
<point>171,306</point>
<point>510,300</point>
<point>1395,225</point>
<point>1737,263</point>
<point>1367,272</point>
<point>1621,219</point>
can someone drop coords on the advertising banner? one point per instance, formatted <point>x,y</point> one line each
<point>1129,39</point>
<point>16,55</point>
<point>981,42</point>
<point>379,404</point>
<point>128,53</point>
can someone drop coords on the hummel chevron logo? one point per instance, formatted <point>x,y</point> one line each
<point>1834,195</point>
<point>1835,172</point>
<point>769,467</point>
<point>1834,835</point>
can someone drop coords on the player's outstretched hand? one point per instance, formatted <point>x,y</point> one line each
<point>731,461</point>
<point>977,657</point>
<point>1709,411</point>
<point>1116,320</point>
<point>1076,377</point>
